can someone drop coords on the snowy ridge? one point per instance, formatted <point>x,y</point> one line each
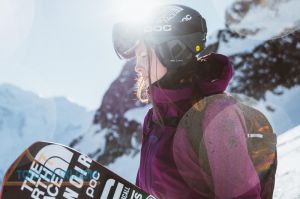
<point>26,118</point>
<point>264,20</point>
<point>251,23</point>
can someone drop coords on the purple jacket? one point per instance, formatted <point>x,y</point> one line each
<point>170,168</point>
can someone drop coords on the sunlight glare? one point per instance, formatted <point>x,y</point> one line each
<point>134,10</point>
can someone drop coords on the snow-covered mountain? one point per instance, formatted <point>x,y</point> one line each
<point>263,19</point>
<point>25,118</point>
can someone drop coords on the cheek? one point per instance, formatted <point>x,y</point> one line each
<point>145,65</point>
<point>153,71</point>
<point>157,72</point>
<point>144,62</point>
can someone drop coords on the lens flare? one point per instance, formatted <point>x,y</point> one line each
<point>133,10</point>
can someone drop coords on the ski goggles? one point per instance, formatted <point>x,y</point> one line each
<point>126,37</point>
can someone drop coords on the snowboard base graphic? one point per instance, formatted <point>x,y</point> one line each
<point>53,171</point>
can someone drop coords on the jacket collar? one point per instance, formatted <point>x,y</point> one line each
<point>162,95</point>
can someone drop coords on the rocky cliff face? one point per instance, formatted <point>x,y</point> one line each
<point>269,66</point>
<point>261,65</point>
<point>238,10</point>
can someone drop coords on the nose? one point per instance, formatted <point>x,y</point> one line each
<point>141,65</point>
<point>139,68</point>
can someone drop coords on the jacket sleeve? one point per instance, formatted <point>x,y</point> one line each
<point>224,136</point>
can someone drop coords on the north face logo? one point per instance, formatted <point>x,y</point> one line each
<point>47,171</point>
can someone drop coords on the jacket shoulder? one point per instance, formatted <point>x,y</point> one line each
<point>212,104</point>
<point>216,103</point>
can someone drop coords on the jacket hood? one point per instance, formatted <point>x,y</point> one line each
<point>218,73</point>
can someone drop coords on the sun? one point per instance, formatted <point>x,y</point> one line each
<point>133,10</point>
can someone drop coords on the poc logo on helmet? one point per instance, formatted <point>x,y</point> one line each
<point>158,28</point>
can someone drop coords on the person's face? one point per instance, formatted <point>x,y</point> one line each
<point>157,70</point>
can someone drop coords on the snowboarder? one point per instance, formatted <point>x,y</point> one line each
<point>198,141</point>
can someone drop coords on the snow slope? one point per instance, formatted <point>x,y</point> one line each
<point>26,118</point>
<point>287,184</point>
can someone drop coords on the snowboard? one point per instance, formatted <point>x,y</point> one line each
<point>53,171</point>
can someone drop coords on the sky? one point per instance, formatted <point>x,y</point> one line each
<point>64,47</point>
